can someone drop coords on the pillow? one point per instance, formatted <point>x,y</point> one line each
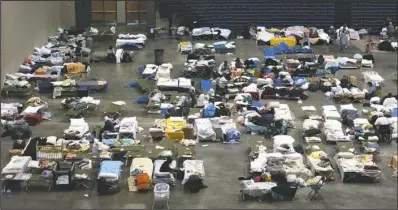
<point>51,140</point>
<point>329,108</point>
<point>34,164</point>
<point>79,121</point>
<point>345,155</point>
<point>273,104</point>
<point>308,108</point>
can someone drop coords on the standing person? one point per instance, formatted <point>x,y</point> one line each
<point>390,30</point>
<point>306,37</point>
<point>332,34</point>
<point>343,40</point>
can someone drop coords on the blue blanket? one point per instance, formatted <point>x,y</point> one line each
<point>113,167</point>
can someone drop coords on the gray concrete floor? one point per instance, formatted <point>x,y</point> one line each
<point>223,163</point>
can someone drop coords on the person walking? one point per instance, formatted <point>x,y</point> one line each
<point>343,40</point>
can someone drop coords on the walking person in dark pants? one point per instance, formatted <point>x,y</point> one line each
<point>343,39</point>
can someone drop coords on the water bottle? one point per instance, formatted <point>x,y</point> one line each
<point>8,194</point>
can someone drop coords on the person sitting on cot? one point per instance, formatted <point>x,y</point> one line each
<point>238,63</point>
<point>371,91</point>
<point>225,68</point>
<point>109,125</point>
<point>111,54</point>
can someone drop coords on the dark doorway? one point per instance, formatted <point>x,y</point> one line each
<point>342,13</point>
<point>83,14</point>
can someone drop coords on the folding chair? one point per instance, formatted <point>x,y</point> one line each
<point>83,181</point>
<point>315,188</point>
<point>285,48</point>
<point>269,53</point>
<point>206,85</point>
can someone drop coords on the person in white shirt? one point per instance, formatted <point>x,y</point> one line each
<point>383,121</point>
<point>390,101</point>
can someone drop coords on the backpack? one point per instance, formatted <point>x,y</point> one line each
<point>142,181</point>
<point>209,111</point>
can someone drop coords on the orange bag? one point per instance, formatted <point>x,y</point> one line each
<point>142,181</point>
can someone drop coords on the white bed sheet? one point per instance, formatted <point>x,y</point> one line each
<point>129,125</point>
<point>17,164</point>
<point>144,164</point>
<point>264,36</point>
<point>278,140</point>
<point>120,42</point>
<point>256,189</point>
<point>333,131</point>
<point>192,167</point>
<point>331,115</point>
<point>283,112</point>
<point>132,36</point>
<point>9,109</point>
<point>164,71</point>
<point>373,77</point>
<point>180,82</point>
<point>204,130</point>
<point>150,69</point>
<point>78,125</point>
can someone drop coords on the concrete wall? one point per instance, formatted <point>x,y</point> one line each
<point>26,24</point>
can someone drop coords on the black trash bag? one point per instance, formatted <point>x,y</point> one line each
<point>194,184</point>
<point>385,46</point>
<point>107,186</point>
<point>312,87</point>
<point>271,62</point>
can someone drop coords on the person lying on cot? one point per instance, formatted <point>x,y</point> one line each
<point>109,125</point>
<point>165,167</point>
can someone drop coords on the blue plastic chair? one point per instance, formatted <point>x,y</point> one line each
<point>206,85</point>
<point>285,48</point>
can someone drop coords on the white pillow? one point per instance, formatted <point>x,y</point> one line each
<point>273,104</point>
<point>345,155</point>
<point>308,108</point>
<point>79,121</point>
<point>329,108</point>
<point>34,164</point>
<point>51,140</point>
